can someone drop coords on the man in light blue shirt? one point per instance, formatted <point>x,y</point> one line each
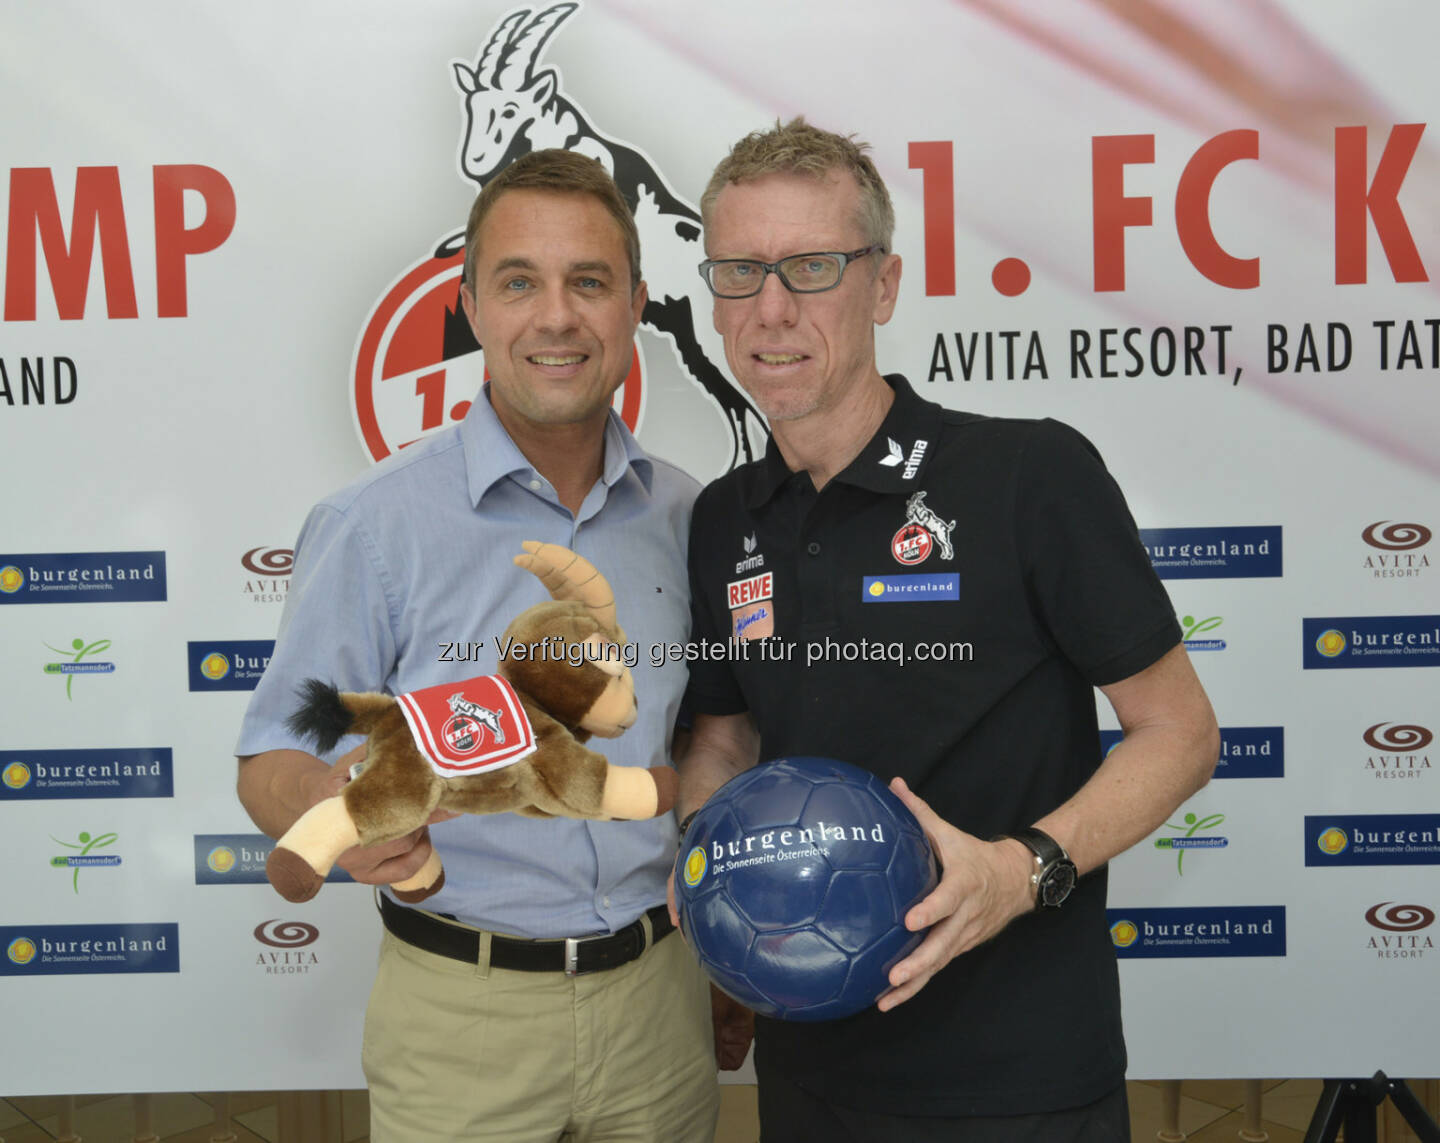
<point>479,1026</point>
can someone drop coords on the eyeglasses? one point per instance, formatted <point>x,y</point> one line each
<point>799,273</point>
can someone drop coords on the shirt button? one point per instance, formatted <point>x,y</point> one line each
<point>605,901</point>
<point>535,485</point>
<point>813,548</point>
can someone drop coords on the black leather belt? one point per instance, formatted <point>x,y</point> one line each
<point>573,956</point>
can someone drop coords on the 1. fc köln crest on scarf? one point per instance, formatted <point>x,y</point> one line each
<point>418,367</point>
<point>469,727</point>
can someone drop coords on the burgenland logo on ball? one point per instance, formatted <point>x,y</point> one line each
<point>764,847</point>
<point>417,365</point>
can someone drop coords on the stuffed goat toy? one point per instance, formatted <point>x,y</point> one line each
<point>502,742</point>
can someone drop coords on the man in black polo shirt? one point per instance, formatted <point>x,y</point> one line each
<point>935,595</point>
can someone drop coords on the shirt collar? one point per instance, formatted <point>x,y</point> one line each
<point>891,462</point>
<point>491,456</point>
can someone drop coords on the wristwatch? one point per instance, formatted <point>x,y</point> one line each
<point>1053,874</point>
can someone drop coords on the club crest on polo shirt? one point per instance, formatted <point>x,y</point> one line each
<point>752,606</point>
<point>469,727</point>
<point>923,532</point>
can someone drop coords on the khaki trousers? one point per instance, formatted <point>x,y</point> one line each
<point>455,1051</point>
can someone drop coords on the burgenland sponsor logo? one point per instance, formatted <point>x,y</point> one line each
<point>1397,556</point>
<point>82,577</point>
<point>112,773</point>
<point>1234,930</point>
<point>1191,628</point>
<point>238,859</point>
<point>66,950</point>
<point>228,664</point>
<point>1397,750</point>
<point>78,660</point>
<point>1402,935</point>
<point>269,578</point>
<point>287,950</point>
<point>1245,751</point>
<point>417,365</point>
<point>913,588</point>
<point>85,854</point>
<point>1195,836</point>
<point>1360,641</point>
<point>1215,553</point>
<point>1372,839</point>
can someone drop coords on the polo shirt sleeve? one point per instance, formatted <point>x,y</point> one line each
<point>713,688</point>
<point>1085,567</point>
<point>335,627</point>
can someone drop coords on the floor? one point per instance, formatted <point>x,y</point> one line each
<point>1210,1111</point>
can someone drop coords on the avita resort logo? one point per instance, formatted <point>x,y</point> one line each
<point>1397,553</point>
<point>287,947</point>
<point>1397,750</point>
<point>1402,931</point>
<point>267,574</point>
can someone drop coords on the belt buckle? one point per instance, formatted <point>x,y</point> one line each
<point>572,957</point>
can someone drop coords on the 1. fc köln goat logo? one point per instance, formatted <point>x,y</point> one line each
<point>417,365</point>
<point>922,532</point>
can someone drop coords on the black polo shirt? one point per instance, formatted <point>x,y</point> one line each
<point>941,611</point>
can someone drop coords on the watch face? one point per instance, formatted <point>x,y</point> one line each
<point>1056,884</point>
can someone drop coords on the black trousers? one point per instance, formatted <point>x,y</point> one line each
<point>790,1114</point>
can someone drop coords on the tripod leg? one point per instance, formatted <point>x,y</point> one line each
<point>1415,1115</point>
<point>1329,1113</point>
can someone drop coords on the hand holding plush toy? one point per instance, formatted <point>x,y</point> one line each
<point>510,741</point>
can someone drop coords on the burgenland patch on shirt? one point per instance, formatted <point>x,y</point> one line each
<point>913,588</point>
<point>469,727</point>
<point>752,606</point>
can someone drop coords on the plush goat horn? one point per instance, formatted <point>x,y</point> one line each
<point>568,576</point>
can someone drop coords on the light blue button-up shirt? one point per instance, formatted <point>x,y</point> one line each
<point>415,556</point>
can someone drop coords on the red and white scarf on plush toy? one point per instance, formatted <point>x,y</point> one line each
<point>469,727</point>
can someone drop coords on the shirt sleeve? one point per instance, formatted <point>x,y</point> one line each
<point>1088,573</point>
<point>336,627</point>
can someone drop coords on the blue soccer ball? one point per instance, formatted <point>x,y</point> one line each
<point>793,882</point>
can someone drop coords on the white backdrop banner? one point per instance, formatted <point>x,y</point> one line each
<point>1202,235</point>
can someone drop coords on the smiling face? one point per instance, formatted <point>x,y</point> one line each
<point>553,309</point>
<point>800,355</point>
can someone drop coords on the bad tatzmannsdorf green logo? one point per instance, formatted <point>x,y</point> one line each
<point>76,664</point>
<point>85,845</point>
<point>1192,838</point>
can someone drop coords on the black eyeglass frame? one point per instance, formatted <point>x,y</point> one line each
<point>774,268</point>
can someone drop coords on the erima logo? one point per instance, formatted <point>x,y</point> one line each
<point>896,456</point>
<point>750,543</point>
<point>912,466</point>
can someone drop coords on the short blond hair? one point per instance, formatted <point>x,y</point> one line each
<point>799,148</point>
<point>564,172</point>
